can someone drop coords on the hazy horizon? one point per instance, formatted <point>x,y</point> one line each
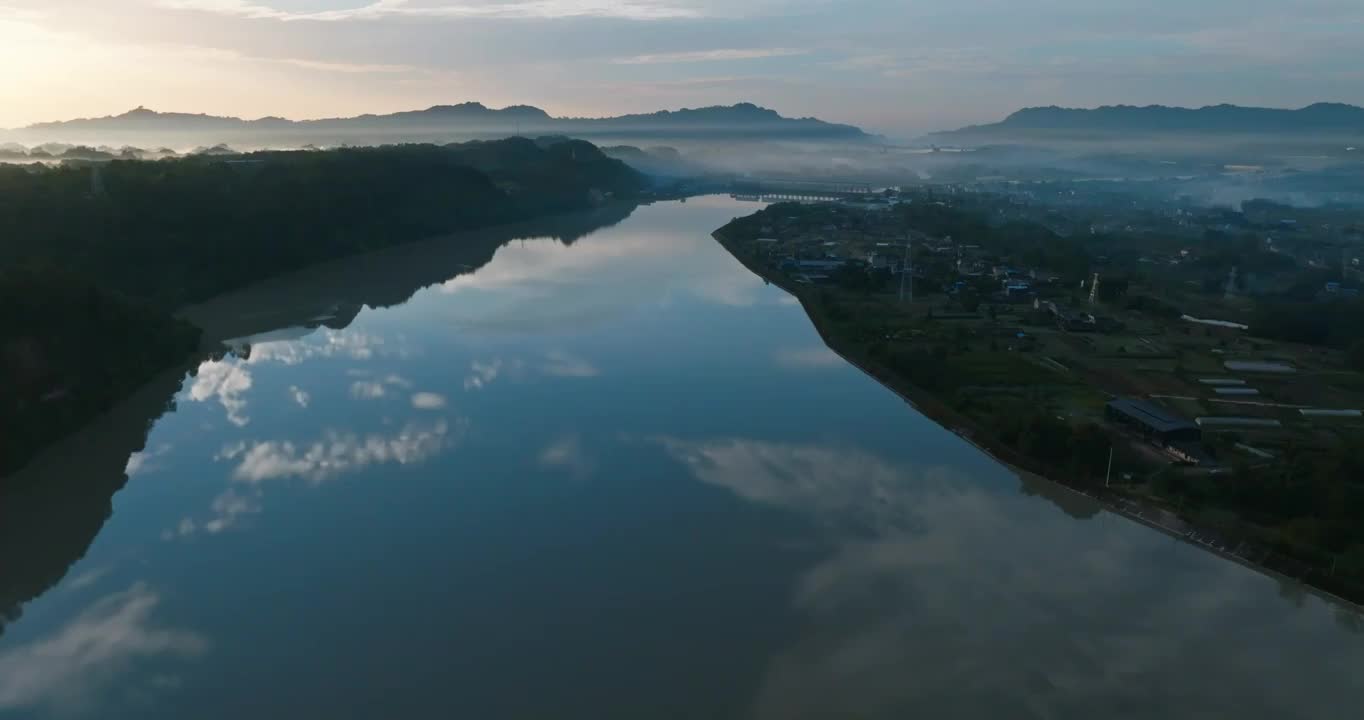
<point>889,67</point>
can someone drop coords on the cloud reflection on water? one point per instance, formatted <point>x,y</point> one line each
<point>537,286</point>
<point>337,452</point>
<point>66,670</point>
<point>808,358</point>
<point>939,596</point>
<point>334,454</point>
<point>230,380</point>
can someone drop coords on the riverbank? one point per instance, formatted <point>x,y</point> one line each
<point>56,386</point>
<point>1240,548</point>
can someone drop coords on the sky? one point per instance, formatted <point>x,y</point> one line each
<point>893,66</point>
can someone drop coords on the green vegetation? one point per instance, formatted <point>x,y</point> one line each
<point>70,351</point>
<point>1028,377</point>
<point>1305,510</point>
<point>96,259</point>
<point>1331,324</point>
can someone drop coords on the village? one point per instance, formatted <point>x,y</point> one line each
<point>1234,397</point>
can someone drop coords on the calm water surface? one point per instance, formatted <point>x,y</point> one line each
<point>617,478</point>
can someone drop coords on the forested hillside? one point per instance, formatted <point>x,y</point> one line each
<point>95,259</point>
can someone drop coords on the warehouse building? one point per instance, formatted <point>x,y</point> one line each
<point>1152,421</point>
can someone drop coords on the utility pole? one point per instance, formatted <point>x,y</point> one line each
<point>1109,475</point>
<point>907,268</point>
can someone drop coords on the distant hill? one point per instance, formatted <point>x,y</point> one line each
<point>1334,118</point>
<point>471,119</point>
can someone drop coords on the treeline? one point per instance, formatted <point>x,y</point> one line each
<point>1026,243</point>
<point>94,260</point>
<point>177,231</point>
<point>70,351</point>
<point>1312,502</point>
<point>1338,324</point>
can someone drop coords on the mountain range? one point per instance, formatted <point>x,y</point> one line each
<point>1334,118</point>
<point>470,119</point>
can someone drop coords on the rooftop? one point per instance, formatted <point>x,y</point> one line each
<point>1154,416</point>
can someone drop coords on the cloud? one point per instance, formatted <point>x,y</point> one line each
<point>428,401</point>
<point>326,343</point>
<point>561,364</point>
<point>941,590</point>
<point>709,56</point>
<point>230,452</point>
<point>228,506</point>
<point>367,390</point>
<point>481,374</point>
<point>959,62</point>
<point>301,397</point>
<point>142,462</point>
<point>344,67</point>
<point>18,14</point>
<point>494,9</point>
<point>227,381</point>
<point>566,453</point>
<point>811,358</point>
<point>64,670</point>
<point>87,578</point>
<point>338,453</point>
<point>826,481</point>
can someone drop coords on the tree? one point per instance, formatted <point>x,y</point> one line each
<point>1354,358</point>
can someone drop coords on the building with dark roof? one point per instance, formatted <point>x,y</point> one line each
<point>1152,421</point>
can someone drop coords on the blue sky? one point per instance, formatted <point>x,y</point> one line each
<point>898,67</point>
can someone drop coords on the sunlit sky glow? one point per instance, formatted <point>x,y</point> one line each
<point>895,66</point>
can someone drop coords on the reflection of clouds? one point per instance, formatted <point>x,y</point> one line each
<point>940,598</point>
<point>728,288</point>
<point>811,358</point>
<point>554,363</point>
<point>336,453</point>
<point>561,364</point>
<point>301,397</point>
<point>398,381</point>
<point>87,578</point>
<point>366,390</point>
<point>228,506</point>
<point>837,484</point>
<point>481,374</point>
<point>324,343</point>
<point>339,453</point>
<point>226,380</point>
<point>230,452</point>
<point>566,453</point>
<point>370,390</point>
<point>541,285</point>
<point>63,671</point>
<point>530,263</point>
<point>144,461</point>
<point>428,401</point>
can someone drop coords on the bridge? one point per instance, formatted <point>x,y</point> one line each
<point>782,189</point>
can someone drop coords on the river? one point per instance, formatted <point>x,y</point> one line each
<point>607,474</point>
